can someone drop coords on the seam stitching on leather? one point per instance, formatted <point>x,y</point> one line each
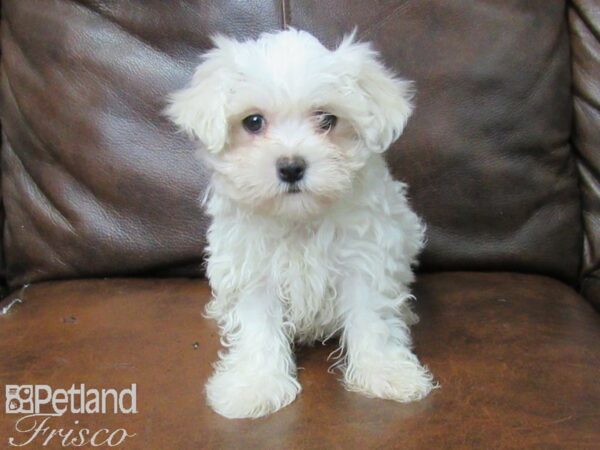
<point>381,22</point>
<point>285,11</point>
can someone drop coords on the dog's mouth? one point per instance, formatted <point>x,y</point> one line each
<point>293,189</point>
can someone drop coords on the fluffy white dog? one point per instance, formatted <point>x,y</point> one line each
<point>311,237</point>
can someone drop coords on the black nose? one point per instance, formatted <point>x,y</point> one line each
<point>291,170</point>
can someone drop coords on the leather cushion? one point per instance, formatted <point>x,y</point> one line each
<point>487,154</point>
<point>97,182</point>
<point>517,357</point>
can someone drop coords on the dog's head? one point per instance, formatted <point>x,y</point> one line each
<point>285,123</point>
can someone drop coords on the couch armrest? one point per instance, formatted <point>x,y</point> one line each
<point>584,21</point>
<point>3,289</point>
<point>590,288</point>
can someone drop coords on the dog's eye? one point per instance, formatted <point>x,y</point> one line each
<point>254,123</point>
<point>326,121</point>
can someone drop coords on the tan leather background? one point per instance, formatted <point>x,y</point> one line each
<point>97,183</point>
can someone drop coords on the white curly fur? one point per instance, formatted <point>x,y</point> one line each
<point>333,259</point>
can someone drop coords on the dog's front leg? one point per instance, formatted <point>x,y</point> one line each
<point>257,374</point>
<point>378,360</point>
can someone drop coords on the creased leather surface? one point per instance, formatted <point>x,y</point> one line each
<point>517,357</point>
<point>3,287</point>
<point>97,183</point>
<point>486,154</point>
<point>584,21</point>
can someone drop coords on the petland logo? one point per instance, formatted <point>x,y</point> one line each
<point>40,404</point>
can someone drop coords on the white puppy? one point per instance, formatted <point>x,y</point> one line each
<point>310,236</point>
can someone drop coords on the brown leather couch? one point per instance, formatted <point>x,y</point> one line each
<point>103,234</point>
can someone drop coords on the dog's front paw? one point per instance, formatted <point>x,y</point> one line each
<point>237,396</point>
<point>399,379</point>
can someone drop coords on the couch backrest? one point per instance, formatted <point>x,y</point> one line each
<point>96,182</point>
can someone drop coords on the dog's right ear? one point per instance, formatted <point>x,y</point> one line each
<point>200,108</point>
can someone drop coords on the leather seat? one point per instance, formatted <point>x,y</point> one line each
<point>516,356</point>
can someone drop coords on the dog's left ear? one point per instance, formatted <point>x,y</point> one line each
<point>386,99</point>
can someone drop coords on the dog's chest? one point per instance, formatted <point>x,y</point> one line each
<point>302,270</point>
